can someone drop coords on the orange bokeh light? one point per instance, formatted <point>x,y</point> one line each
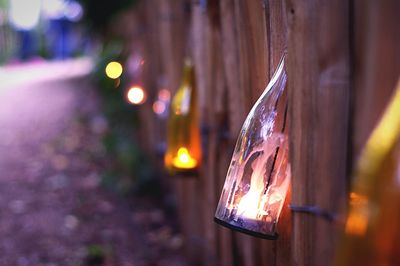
<point>357,221</point>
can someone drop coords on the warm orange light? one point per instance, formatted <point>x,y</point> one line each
<point>159,107</point>
<point>357,198</point>
<point>370,164</point>
<point>114,70</point>
<point>183,154</point>
<point>356,224</point>
<point>357,221</point>
<point>184,160</point>
<point>136,95</point>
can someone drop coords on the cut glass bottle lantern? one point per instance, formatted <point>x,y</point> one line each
<point>259,174</point>
<point>372,229</point>
<point>183,137</point>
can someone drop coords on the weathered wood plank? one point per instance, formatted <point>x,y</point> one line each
<point>173,36</point>
<point>226,241</point>
<point>319,99</point>
<point>253,69</point>
<point>230,50</point>
<point>376,49</point>
<point>204,44</point>
<point>173,31</point>
<point>277,41</point>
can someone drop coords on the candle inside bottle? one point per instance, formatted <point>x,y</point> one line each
<point>258,177</point>
<point>253,203</point>
<point>183,159</point>
<point>249,204</point>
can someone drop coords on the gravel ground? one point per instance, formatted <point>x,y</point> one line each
<point>53,210</point>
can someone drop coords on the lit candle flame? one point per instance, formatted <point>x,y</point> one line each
<point>252,204</point>
<point>248,206</point>
<point>184,160</point>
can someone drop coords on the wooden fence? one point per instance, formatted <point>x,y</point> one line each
<point>343,63</point>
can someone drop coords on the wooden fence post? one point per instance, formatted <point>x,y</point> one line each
<point>376,49</point>
<point>332,46</point>
<point>319,76</point>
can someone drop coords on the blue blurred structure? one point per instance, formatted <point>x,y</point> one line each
<point>60,29</point>
<point>44,27</point>
<point>24,17</point>
<point>61,15</point>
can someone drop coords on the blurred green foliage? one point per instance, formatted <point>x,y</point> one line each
<point>129,169</point>
<point>3,4</point>
<point>7,38</point>
<point>7,43</point>
<point>95,255</point>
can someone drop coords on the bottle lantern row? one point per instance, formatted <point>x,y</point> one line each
<point>259,174</point>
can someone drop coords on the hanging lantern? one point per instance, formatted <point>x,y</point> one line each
<point>372,229</point>
<point>259,174</point>
<point>183,137</point>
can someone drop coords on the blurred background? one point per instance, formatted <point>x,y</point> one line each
<point>88,89</point>
<point>77,187</point>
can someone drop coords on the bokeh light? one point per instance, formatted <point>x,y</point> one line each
<point>164,95</point>
<point>136,95</point>
<point>74,11</point>
<point>114,70</point>
<point>159,107</point>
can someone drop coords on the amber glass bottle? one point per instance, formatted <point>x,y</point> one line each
<point>183,133</point>
<point>372,229</point>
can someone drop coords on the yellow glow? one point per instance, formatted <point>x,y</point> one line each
<point>184,160</point>
<point>114,70</point>
<point>136,95</point>
<point>380,142</point>
<point>377,149</point>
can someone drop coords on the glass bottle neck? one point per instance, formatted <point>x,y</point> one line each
<point>188,72</point>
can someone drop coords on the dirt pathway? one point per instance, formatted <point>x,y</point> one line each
<point>52,208</point>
